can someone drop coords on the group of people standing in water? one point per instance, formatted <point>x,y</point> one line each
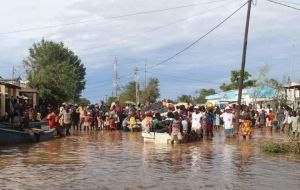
<point>181,122</point>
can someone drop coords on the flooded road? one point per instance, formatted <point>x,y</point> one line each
<point>117,160</point>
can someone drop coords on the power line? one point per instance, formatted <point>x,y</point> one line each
<point>154,29</point>
<point>184,78</point>
<point>108,82</point>
<point>105,83</point>
<point>163,10</point>
<point>292,3</point>
<point>203,36</point>
<point>113,17</point>
<point>285,5</point>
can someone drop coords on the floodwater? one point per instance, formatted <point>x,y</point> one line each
<point>118,160</point>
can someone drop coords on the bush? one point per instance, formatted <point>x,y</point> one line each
<point>290,147</point>
<point>275,148</point>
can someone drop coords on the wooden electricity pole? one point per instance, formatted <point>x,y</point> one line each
<point>241,79</point>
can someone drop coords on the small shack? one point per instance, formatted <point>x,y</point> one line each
<point>8,92</point>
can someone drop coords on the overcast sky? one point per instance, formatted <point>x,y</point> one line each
<point>150,38</point>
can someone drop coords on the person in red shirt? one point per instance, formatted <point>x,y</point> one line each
<point>52,120</point>
<point>271,117</point>
<point>87,121</point>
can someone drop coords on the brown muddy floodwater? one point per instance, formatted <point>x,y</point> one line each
<point>118,160</point>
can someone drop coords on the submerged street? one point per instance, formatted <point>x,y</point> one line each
<point>118,160</point>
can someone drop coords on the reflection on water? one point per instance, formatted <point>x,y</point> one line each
<point>116,160</point>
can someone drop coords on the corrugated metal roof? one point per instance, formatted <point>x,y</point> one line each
<point>257,92</point>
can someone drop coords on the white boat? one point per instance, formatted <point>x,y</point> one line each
<point>165,138</point>
<point>157,138</point>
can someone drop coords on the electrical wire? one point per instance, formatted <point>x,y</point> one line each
<point>288,2</point>
<point>154,29</point>
<point>162,10</point>
<point>196,41</point>
<point>108,18</point>
<point>285,5</point>
<point>108,82</point>
<point>180,77</point>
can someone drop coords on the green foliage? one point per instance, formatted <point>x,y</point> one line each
<point>185,98</point>
<point>286,147</point>
<point>148,95</point>
<point>84,101</point>
<point>275,148</point>
<point>55,71</point>
<point>151,92</point>
<point>202,93</point>
<point>128,92</point>
<point>234,81</point>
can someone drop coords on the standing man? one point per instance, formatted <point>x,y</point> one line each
<point>196,120</point>
<point>67,120</point>
<point>81,110</point>
<point>228,122</point>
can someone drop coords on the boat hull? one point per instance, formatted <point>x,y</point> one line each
<point>157,138</point>
<point>11,136</point>
<point>165,138</point>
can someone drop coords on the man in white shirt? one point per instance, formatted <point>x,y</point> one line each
<point>228,122</point>
<point>196,119</point>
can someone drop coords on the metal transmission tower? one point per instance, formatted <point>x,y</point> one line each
<point>116,86</point>
<point>137,86</point>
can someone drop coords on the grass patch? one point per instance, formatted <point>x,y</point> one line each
<point>282,147</point>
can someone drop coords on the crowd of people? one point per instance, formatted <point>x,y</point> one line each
<point>181,122</point>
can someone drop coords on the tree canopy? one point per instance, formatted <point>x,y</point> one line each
<point>185,98</point>
<point>55,71</point>
<point>84,101</point>
<point>151,92</point>
<point>128,92</point>
<point>148,95</point>
<point>202,93</point>
<point>234,81</point>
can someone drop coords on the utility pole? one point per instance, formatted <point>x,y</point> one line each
<point>137,95</point>
<point>116,86</point>
<point>145,76</point>
<point>241,79</point>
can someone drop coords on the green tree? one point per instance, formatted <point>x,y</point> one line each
<point>128,92</point>
<point>151,92</point>
<point>84,101</point>
<point>234,81</point>
<point>55,71</point>
<point>202,93</point>
<point>185,98</point>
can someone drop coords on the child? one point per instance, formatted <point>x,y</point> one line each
<point>87,121</point>
<point>176,128</point>
<point>132,121</point>
<point>146,123</point>
<point>185,125</point>
<point>113,120</point>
